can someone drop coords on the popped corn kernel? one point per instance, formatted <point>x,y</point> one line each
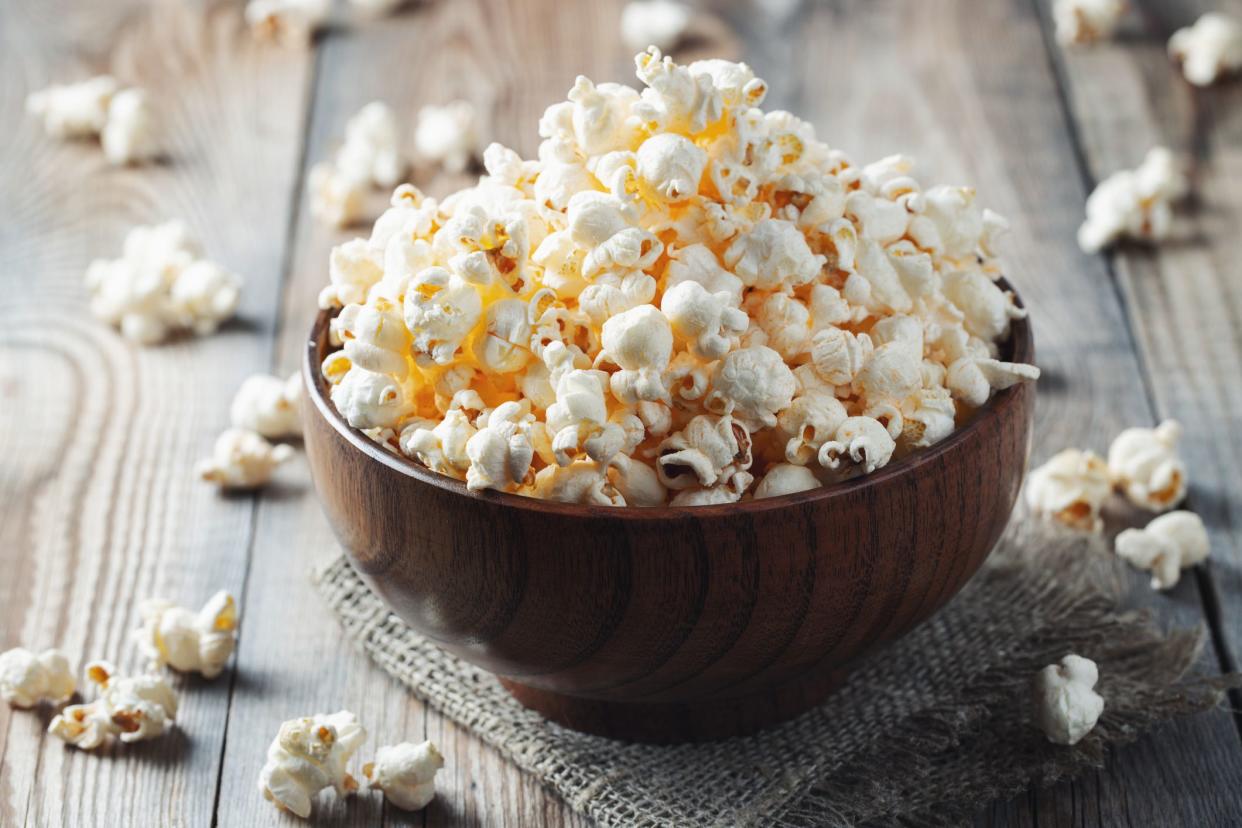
<point>131,133</point>
<point>1086,21</point>
<point>1071,487</point>
<point>28,679</point>
<point>406,773</point>
<point>1136,204</point>
<point>659,23</point>
<point>130,708</point>
<point>74,110</point>
<point>198,642</point>
<point>242,459</point>
<point>1170,543</point>
<point>680,296</point>
<point>448,135</point>
<point>308,755</point>
<point>1067,706</point>
<point>1209,49</point>
<point>1145,466</point>
<point>269,405</point>
<point>289,22</point>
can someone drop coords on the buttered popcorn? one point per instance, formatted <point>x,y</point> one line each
<point>199,642</point>
<point>682,300</point>
<point>308,755</point>
<point>131,708</point>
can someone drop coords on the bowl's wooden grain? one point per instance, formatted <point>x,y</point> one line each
<point>671,624</point>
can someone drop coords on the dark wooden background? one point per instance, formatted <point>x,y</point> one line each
<point>98,504</point>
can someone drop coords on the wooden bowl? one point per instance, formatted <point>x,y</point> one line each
<point>671,624</point>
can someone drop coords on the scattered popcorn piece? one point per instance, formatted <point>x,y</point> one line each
<point>242,459</point>
<point>161,284</point>
<point>1145,466</point>
<point>372,148</point>
<point>28,679</point>
<point>190,642</point>
<point>1212,47</point>
<point>1066,704</point>
<point>448,135</point>
<point>308,755</point>
<point>1134,204</point>
<point>132,708</point>
<point>406,773</point>
<point>130,135</point>
<point>1086,21</point>
<point>1071,487</point>
<point>269,406</point>
<point>659,23</point>
<point>74,110</point>
<point>785,478</point>
<point>679,296</point>
<point>289,22</point>
<point>336,198</point>
<point>1166,546</point>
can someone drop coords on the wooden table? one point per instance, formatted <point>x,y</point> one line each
<point>98,504</point>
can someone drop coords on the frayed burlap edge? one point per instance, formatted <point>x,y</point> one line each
<point>921,734</point>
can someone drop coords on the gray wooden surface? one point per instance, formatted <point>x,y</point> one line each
<point>98,507</point>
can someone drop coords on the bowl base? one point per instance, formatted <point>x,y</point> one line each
<point>671,723</point>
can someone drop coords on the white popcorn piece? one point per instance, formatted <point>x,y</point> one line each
<point>1134,204</point>
<point>308,755</point>
<point>1086,21</point>
<point>706,321</point>
<point>131,708</point>
<point>1209,49</point>
<point>1145,466</point>
<point>131,133</point>
<point>406,773</point>
<point>336,196</point>
<point>671,259</point>
<point>1067,706</point>
<point>372,148</point>
<point>448,135</point>
<point>161,284</point>
<point>290,22</point>
<point>269,406</point>
<point>28,679</point>
<point>864,441</point>
<point>74,110</point>
<point>785,478</point>
<point>753,384</point>
<point>1071,487</point>
<point>187,641</point>
<point>659,23</point>
<point>242,459</point>
<point>1170,543</point>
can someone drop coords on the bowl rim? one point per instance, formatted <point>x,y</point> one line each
<point>1020,346</point>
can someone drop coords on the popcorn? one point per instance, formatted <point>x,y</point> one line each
<point>659,23</point>
<point>1086,21</point>
<point>242,459</point>
<point>75,110</point>
<point>308,755</point>
<point>1169,544</point>
<point>130,135</point>
<point>187,641</point>
<point>681,300</point>
<point>406,773</point>
<point>336,198</point>
<point>287,21</point>
<point>269,406</point>
<point>1212,47</point>
<point>448,135</point>
<point>28,679</point>
<point>1071,487</point>
<point>131,708</point>
<point>161,284</point>
<point>1143,463</point>
<point>1066,704</point>
<point>1134,203</point>
<point>371,151</point>
<point>785,478</point>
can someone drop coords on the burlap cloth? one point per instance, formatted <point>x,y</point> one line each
<point>922,733</point>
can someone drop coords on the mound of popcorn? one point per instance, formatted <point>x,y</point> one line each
<point>684,300</point>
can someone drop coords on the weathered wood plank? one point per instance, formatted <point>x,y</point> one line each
<point>967,89</point>
<point>1184,297</point>
<point>98,504</point>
